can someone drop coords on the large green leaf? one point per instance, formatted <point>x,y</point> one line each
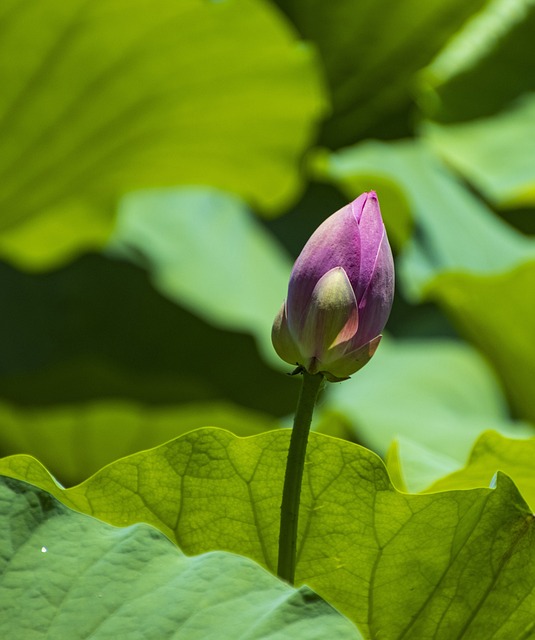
<point>497,313</point>
<point>205,250</point>
<point>438,394</point>
<point>65,575</point>
<point>99,99</point>
<point>371,52</point>
<point>445,565</point>
<point>76,440</point>
<point>98,329</point>
<point>453,230</point>
<point>495,154</point>
<point>485,68</point>
<point>492,453</point>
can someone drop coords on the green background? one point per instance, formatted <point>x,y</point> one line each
<point>163,163</point>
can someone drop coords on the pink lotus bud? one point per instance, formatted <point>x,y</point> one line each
<point>340,294</point>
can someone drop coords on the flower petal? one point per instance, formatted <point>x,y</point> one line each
<point>350,362</point>
<point>376,302</point>
<point>340,293</point>
<point>372,232</point>
<point>282,340</point>
<point>331,315</point>
<point>335,243</point>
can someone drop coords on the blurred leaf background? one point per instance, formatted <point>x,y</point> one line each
<point>162,163</point>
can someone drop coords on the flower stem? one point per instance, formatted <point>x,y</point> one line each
<point>294,475</point>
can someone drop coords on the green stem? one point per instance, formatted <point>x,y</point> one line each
<point>294,475</point>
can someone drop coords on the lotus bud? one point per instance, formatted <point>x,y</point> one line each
<point>340,294</point>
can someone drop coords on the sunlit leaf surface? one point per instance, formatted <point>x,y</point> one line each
<point>109,97</point>
<point>495,154</point>
<point>401,566</point>
<point>497,313</point>
<point>75,440</point>
<point>492,453</point>
<point>65,575</point>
